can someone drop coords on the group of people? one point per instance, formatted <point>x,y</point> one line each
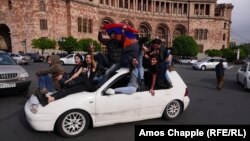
<point>122,52</point>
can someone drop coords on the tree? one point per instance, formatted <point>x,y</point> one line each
<point>43,43</point>
<point>185,46</point>
<point>68,44</point>
<point>213,52</point>
<point>84,43</point>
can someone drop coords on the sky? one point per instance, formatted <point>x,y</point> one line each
<point>240,28</point>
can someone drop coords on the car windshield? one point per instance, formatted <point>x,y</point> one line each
<point>6,60</point>
<point>203,60</point>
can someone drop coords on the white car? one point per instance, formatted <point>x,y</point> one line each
<point>21,59</point>
<point>69,59</point>
<point>188,61</point>
<point>209,63</point>
<point>73,114</point>
<point>243,75</point>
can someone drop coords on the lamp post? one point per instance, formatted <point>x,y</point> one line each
<point>24,45</point>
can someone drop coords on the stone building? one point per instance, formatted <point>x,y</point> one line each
<point>23,20</point>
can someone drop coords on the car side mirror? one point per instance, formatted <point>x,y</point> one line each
<point>110,91</point>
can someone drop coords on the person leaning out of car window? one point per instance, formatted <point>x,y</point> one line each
<point>134,79</point>
<point>55,69</point>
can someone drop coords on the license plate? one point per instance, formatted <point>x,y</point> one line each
<point>7,85</point>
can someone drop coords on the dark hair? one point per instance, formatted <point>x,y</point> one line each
<point>156,41</point>
<point>131,64</point>
<point>47,58</point>
<point>79,56</point>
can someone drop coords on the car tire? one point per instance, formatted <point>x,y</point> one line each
<point>203,68</point>
<point>173,110</point>
<point>237,79</point>
<point>62,63</point>
<point>245,85</point>
<point>72,123</point>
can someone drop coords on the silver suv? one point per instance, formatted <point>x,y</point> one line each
<point>209,63</point>
<point>13,78</point>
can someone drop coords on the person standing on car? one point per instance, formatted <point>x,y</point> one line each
<point>114,53</point>
<point>219,70</point>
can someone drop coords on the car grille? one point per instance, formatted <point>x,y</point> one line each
<point>5,76</point>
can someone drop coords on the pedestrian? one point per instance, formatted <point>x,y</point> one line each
<point>219,70</point>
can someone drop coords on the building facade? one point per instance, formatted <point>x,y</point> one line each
<point>206,21</point>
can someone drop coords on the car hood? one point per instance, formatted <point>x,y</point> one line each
<point>11,69</point>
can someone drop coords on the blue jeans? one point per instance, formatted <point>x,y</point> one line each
<point>108,73</point>
<point>126,90</point>
<point>167,77</point>
<point>44,81</point>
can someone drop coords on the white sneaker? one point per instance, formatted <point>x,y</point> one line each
<point>110,91</point>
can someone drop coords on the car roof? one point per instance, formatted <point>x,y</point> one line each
<point>123,70</point>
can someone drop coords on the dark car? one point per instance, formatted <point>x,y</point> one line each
<point>36,57</point>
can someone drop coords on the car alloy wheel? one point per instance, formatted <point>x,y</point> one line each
<point>173,109</point>
<point>72,123</point>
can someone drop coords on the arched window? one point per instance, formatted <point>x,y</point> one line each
<point>162,33</point>
<point>225,25</point>
<point>84,25</point>
<point>224,37</point>
<point>42,6</point>
<point>90,27</point>
<point>144,30</point>
<point>179,31</point>
<point>79,24</point>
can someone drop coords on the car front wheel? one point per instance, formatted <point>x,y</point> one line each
<point>203,68</point>
<point>172,110</point>
<point>72,123</point>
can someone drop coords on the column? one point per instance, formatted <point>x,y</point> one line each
<point>141,5</point>
<point>147,5</point>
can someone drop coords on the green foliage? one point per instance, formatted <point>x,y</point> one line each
<point>84,44</point>
<point>43,43</point>
<point>185,46</point>
<point>228,53</point>
<point>68,44</point>
<point>213,52</point>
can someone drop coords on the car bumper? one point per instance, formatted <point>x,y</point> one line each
<point>20,87</point>
<point>39,122</point>
<point>186,101</point>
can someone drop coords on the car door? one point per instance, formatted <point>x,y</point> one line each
<point>242,73</point>
<point>118,107</point>
<point>70,59</point>
<point>210,64</point>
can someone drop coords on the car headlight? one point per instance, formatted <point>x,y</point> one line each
<point>33,104</point>
<point>34,108</point>
<point>23,76</point>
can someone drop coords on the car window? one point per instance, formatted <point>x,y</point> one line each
<point>70,56</point>
<point>244,67</point>
<point>211,60</point>
<point>6,60</point>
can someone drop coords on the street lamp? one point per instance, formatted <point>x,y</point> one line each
<point>24,45</point>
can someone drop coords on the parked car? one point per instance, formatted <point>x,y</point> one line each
<point>20,59</point>
<point>73,114</point>
<point>36,57</point>
<point>187,60</point>
<point>13,77</point>
<point>243,75</point>
<point>69,59</point>
<point>209,63</point>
